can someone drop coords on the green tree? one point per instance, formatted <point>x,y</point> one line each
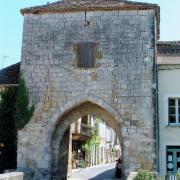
<point>15,113</point>
<point>23,110</point>
<point>8,132</point>
<point>95,138</point>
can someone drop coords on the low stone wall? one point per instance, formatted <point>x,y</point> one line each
<point>12,176</point>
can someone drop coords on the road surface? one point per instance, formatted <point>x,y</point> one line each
<point>99,172</point>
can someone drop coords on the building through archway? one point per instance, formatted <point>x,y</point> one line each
<point>93,141</point>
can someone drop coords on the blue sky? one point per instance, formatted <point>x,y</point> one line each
<point>12,25</point>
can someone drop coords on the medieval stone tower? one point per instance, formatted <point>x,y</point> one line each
<point>84,57</point>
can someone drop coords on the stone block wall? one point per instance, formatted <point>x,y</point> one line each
<point>123,79</point>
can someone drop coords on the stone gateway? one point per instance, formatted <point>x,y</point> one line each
<point>89,57</point>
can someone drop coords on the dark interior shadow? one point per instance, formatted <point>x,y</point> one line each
<point>106,175</point>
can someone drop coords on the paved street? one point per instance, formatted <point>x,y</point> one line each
<point>99,172</point>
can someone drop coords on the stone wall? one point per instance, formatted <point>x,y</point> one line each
<point>121,82</point>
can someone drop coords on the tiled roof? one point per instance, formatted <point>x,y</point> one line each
<point>89,5</point>
<point>10,74</point>
<point>168,48</point>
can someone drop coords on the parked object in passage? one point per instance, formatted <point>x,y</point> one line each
<point>118,168</point>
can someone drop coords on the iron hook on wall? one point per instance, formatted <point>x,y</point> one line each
<point>86,23</point>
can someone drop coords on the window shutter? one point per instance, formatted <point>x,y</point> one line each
<point>81,55</point>
<point>89,55</point>
<point>86,54</point>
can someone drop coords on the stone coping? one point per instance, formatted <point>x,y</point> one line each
<point>12,176</point>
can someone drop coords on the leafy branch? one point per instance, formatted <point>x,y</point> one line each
<point>95,138</point>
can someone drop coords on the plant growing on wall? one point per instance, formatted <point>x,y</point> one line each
<point>23,110</point>
<point>8,132</point>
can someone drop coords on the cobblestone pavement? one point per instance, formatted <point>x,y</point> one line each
<point>99,172</point>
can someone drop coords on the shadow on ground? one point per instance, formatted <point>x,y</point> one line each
<point>106,175</point>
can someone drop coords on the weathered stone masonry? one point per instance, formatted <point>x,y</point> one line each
<point>120,84</point>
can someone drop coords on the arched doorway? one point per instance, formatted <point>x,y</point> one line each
<point>59,143</point>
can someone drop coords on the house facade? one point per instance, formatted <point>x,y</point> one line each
<point>105,150</point>
<point>168,64</point>
<point>81,133</point>
<point>109,148</point>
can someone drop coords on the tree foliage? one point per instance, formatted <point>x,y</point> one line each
<point>95,138</point>
<point>15,113</point>
<point>144,175</point>
<point>8,132</point>
<point>23,110</point>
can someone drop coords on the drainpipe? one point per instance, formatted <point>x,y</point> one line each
<point>157,99</point>
<point>157,117</point>
<point>155,96</point>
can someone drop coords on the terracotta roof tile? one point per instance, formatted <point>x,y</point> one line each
<point>168,48</point>
<point>10,74</point>
<point>93,5</point>
<point>81,5</point>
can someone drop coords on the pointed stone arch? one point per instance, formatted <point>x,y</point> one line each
<point>77,100</point>
<point>71,112</point>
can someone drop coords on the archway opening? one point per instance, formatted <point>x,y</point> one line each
<point>72,141</point>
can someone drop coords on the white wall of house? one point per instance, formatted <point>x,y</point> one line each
<point>107,142</point>
<point>169,87</point>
